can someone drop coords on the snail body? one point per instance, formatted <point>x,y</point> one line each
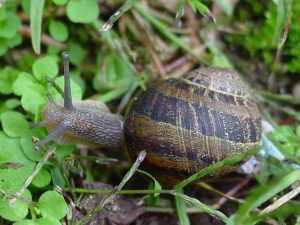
<point>184,124</point>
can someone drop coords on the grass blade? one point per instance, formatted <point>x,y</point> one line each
<point>181,209</point>
<point>230,161</point>
<point>164,30</point>
<point>36,13</point>
<point>203,207</point>
<point>264,193</point>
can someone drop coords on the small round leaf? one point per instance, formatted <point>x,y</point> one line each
<point>7,78</point>
<point>17,210</point>
<point>9,27</point>
<point>33,101</point>
<point>26,83</point>
<point>58,30</point>
<point>14,124</point>
<point>77,53</point>
<point>45,67</point>
<point>28,148</point>
<point>42,179</point>
<point>10,151</point>
<point>83,11</point>
<point>52,204</point>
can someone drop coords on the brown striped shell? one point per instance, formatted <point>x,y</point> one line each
<point>188,123</point>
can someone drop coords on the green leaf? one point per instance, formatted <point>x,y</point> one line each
<point>14,41</point>
<point>76,52</point>
<point>42,179</point>
<point>3,14</point>
<point>265,192</point>
<point>58,178</point>
<point>59,2</point>
<point>36,14</point>
<point>10,151</point>
<point>26,83</point>
<point>15,211</point>
<point>47,221</point>
<point>58,30</point>
<point>12,179</point>
<point>64,151</point>
<point>201,206</point>
<point>12,103</point>
<point>181,210</point>
<point>155,185</point>
<point>3,47</point>
<point>83,11</point>
<point>45,67</point>
<point>33,102</point>
<point>197,5</point>
<point>28,148</point>
<point>7,78</point>
<point>14,124</point>
<point>26,7</point>
<point>9,27</point>
<point>52,204</point>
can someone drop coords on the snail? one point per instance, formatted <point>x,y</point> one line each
<point>184,124</point>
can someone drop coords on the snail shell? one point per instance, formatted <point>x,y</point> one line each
<point>188,123</point>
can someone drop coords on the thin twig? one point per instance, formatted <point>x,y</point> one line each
<point>148,42</point>
<point>231,193</point>
<point>279,202</point>
<point>176,63</point>
<point>36,170</point>
<point>109,198</point>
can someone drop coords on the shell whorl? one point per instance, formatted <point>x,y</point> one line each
<point>188,123</point>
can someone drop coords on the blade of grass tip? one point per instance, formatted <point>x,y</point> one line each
<point>36,14</point>
<point>280,20</point>
<point>107,199</point>
<point>181,209</point>
<point>229,161</point>
<point>163,29</point>
<point>133,169</point>
<point>179,13</point>
<point>151,199</point>
<point>265,192</point>
<point>197,5</point>
<point>203,207</point>
<point>123,9</point>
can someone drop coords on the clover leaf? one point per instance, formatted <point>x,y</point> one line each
<point>17,210</point>
<point>52,204</point>
<point>83,11</point>
<point>14,124</point>
<point>45,67</point>
<point>58,30</point>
